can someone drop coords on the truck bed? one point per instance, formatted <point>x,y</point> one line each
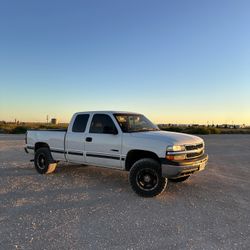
<point>55,138</point>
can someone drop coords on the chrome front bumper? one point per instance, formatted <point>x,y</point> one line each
<point>171,169</point>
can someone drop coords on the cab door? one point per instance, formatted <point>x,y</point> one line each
<point>103,142</point>
<point>75,139</point>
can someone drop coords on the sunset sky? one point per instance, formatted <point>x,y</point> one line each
<point>175,61</point>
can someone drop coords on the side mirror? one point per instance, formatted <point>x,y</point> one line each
<point>110,130</point>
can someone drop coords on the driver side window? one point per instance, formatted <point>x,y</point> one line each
<point>102,124</point>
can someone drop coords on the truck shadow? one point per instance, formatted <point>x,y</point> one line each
<point>113,178</point>
<point>93,174</point>
<point>88,178</point>
<point>76,187</point>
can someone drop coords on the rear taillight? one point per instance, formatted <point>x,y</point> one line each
<point>26,137</point>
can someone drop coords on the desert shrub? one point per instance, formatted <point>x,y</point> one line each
<point>193,130</point>
<point>197,130</point>
<point>42,126</point>
<point>19,130</point>
<point>173,129</point>
<point>214,131</point>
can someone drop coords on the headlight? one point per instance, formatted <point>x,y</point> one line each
<point>176,148</point>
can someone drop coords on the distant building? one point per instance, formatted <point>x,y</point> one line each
<point>240,126</point>
<point>231,126</point>
<point>173,125</point>
<point>54,121</point>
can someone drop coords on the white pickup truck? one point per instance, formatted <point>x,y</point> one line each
<point>121,140</point>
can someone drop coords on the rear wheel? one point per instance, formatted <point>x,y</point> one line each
<point>146,179</point>
<point>44,162</point>
<point>181,179</point>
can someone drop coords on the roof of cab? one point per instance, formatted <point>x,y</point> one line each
<point>106,112</point>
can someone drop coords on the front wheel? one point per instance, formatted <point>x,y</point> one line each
<point>145,178</point>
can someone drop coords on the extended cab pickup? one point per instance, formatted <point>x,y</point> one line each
<point>120,140</point>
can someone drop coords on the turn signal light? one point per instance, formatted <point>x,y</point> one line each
<point>176,157</point>
<point>170,157</point>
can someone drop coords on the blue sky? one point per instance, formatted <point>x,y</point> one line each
<point>175,61</point>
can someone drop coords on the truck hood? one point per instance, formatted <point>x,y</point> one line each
<point>171,138</point>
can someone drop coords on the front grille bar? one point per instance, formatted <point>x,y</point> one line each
<point>196,154</point>
<point>194,147</point>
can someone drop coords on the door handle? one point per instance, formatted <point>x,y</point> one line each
<point>114,150</point>
<point>89,139</point>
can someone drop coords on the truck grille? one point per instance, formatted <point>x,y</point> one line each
<point>194,155</point>
<point>193,147</point>
<point>198,148</point>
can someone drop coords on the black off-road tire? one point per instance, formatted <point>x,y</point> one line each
<point>43,161</point>
<point>146,179</point>
<point>181,179</point>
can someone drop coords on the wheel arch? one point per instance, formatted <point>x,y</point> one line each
<point>136,154</point>
<point>41,145</point>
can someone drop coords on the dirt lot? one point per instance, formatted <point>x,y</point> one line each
<point>81,207</point>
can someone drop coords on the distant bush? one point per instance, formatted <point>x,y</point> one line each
<point>53,126</point>
<point>19,130</point>
<point>173,129</point>
<point>197,130</point>
<point>11,128</point>
<point>236,131</point>
<point>214,130</point>
<point>200,130</point>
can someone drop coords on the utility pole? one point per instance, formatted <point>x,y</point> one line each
<point>47,118</point>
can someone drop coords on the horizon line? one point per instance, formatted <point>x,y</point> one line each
<point>158,123</point>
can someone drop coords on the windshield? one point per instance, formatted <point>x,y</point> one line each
<point>134,123</point>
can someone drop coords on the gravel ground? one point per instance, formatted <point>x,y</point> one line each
<point>81,207</point>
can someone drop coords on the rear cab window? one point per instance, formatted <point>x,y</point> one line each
<point>80,123</point>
